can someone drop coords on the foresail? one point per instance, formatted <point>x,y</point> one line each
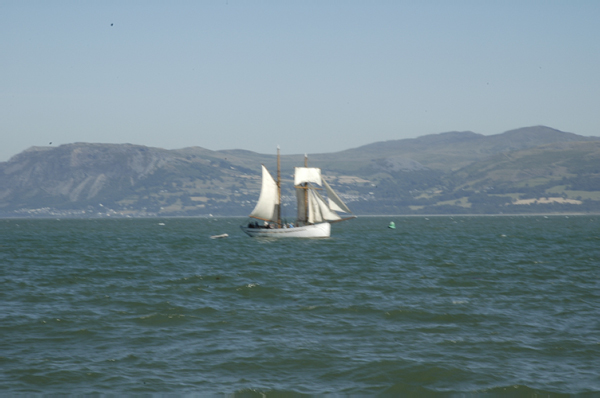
<point>266,207</point>
<point>307,174</point>
<point>335,203</point>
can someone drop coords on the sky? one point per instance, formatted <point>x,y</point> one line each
<point>309,76</point>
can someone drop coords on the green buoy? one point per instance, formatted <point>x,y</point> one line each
<point>392,225</point>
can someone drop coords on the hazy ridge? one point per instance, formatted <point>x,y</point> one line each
<point>532,169</point>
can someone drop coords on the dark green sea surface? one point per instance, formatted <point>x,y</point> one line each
<point>438,306</point>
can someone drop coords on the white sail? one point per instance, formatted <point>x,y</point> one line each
<point>326,212</point>
<point>268,201</point>
<point>307,174</point>
<point>335,203</point>
<point>313,215</point>
<point>318,210</point>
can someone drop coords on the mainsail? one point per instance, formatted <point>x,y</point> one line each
<point>268,201</point>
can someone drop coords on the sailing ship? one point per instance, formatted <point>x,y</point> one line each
<point>315,214</point>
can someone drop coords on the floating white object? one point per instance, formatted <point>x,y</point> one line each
<point>219,236</point>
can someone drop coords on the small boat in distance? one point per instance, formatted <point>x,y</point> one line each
<point>315,215</point>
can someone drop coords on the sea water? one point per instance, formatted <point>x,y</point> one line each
<point>439,305</point>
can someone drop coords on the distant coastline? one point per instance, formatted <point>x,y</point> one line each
<point>573,214</point>
<point>531,170</point>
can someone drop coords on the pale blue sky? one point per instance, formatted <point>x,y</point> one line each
<point>310,76</point>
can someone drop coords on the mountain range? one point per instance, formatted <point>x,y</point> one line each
<point>533,169</point>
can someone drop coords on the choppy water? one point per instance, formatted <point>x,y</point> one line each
<point>440,305</point>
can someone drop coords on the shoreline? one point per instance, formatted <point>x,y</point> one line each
<point>358,216</point>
